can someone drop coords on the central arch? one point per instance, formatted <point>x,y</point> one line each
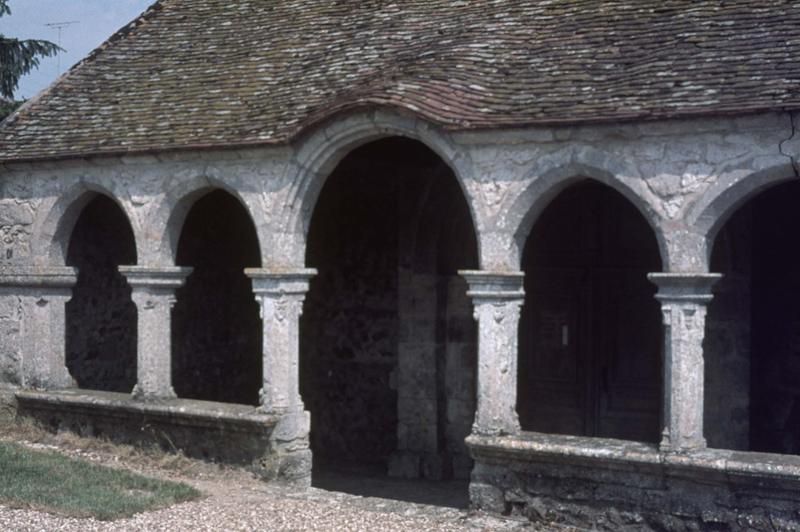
<point>590,329</point>
<point>388,343</point>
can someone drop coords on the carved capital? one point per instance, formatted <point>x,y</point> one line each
<point>494,287</point>
<point>278,283</point>
<point>280,306</point>
<point>684,289</point>
<point>165,279</point>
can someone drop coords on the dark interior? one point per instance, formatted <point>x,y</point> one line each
<point>100,317</point>
<point>756,304</point>
<point>590,329</point>
<point>216,347</point>
<point>387,337</point>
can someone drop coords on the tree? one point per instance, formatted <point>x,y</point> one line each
<point>18,57</point>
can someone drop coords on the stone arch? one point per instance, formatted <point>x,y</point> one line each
<point>386,311</point>
<point>590,328</point>
<point>176,206</point>
<point>53,230</point>
<point>530,204</point>
<point>318,154</point>
<point>217,343</point>
<point>722,199</point>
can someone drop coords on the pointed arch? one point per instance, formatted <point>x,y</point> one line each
<point>721,200</point>
<point>530,204</point>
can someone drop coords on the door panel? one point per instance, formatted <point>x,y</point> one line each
<point>555,388</point>
<point>629,356</point>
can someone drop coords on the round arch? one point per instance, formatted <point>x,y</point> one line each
<point>53,229</point>
<point>176,206</point>
<point>319,153</point>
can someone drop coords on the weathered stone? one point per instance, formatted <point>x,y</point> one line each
<point>497,298</point>
<point>685,176</point>
<point>684,298</point>
<point>154,295</point>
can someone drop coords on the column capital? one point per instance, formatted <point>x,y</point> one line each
<point>155,277</point>
<point>684,287</point>
<point>43,277</point>
<point>494,285</point>
<point>280,282</point>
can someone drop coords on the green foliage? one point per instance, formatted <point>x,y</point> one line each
<point>18,57</point>
<point>52,482</point>
<point>8,106</point>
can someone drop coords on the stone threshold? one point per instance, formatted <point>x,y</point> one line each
<point>223,432</point>
<point>776,470</point>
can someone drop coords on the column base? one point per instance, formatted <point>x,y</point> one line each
<point>289,459</point>
<point>141,395</point>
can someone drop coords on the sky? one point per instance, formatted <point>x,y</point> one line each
<point>96,21</point>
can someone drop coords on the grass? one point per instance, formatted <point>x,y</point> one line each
<point>52,482</point>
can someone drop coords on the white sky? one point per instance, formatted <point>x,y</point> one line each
<point>96,21</point>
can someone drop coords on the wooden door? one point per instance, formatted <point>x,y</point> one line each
<point>593,365</point>
<point>628,359</point>
<point>555,389</point>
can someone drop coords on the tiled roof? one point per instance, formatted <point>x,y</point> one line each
<point>191,73</point>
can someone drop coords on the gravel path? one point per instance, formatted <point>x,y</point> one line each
<point>236,501</point>
<point>231,505</point>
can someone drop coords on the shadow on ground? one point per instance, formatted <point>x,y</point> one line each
<point>372,481</point>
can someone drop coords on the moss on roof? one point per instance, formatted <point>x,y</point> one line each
<point>191,73</point>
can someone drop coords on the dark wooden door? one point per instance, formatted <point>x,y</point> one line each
<point>593,365</point>
<point>627,338</point>
<point>556,388</point>
<point>591,331</point>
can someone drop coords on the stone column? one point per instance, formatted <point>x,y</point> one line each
<point>497,298</point>
<point>684,298</point>
<point>280,295</point>
<point>153,292</point>
<point>33,354</point>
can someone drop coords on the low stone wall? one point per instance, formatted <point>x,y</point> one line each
<point>612,485</point>
<point>227,433</point>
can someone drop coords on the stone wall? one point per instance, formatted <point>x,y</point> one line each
<point>350,325</point>
<point>595,484</point>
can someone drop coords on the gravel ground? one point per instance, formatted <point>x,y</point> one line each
<point>234,500</point>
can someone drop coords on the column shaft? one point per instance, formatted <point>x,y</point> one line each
<point>497,298</point>
<point>153,292</point>
<point>281,295</point>
<point>684,298</point>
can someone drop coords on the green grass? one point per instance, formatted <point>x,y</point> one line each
<point>52,482</point>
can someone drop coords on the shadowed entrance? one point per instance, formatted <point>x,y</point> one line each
<point>388,350</point>
<point>590,331</point>
<point>216,324</point>
<point>100,317</point>
<point>752,345</point>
